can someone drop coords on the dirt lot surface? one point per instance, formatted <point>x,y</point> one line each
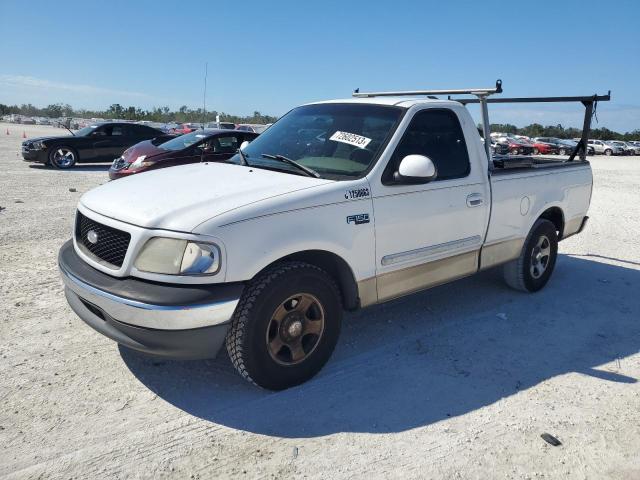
<point>456,382</point>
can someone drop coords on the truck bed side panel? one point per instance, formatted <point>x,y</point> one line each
<point>519,198</point>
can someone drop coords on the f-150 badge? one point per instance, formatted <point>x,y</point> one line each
<point>358,219</point>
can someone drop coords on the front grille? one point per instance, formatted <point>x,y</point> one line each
<point>110,244</point>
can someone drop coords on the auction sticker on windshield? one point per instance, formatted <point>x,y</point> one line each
<point>350,138</point>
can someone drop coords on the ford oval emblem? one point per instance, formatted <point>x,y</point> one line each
<point>92,236</point>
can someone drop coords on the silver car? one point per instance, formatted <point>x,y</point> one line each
<point>626,149</point>
<point>634,147</point>
<point>605,148</point>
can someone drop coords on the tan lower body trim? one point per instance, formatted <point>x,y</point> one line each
<point>368,292</point>
<point>412,279</point>
<point>500,252</point>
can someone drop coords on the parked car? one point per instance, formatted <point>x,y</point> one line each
<point>265,251</point>
<point>221,125</point>
<point>572,144</point>
<point>563,146</point>
<point>187,128</point>
<point>636,146</point>
<point>544,148</point>
<point>100,142</point>
<point>199,146</point>
<point>626,148</point>
<point>605,148</point>
<point>519,146</point>
<point>252,128</point>
<point>499,148</point>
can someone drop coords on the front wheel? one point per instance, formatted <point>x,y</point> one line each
<point>285,326</point>
<point>531,271</point>
<point>608,152</point>
<point>62,157</point>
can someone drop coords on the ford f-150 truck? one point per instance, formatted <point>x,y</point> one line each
<point>339,205</point>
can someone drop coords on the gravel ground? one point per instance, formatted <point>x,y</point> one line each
<point>456,382</point>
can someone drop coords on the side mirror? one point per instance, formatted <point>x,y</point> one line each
<point>415,169</point>
<point>244,145</point>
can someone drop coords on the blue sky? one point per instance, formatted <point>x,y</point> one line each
<point>273,55</point>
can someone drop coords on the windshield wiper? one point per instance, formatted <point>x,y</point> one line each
<point>309,171</point>
<point>243,158</point>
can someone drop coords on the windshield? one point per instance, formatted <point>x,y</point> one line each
<point>184,141</point>
<point>83,132</point>
<point>338,140</point>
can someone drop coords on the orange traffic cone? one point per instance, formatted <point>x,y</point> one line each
<point>24,135</point>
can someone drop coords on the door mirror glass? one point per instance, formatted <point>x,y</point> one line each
<point>415,169</point>
<point>244,145</point>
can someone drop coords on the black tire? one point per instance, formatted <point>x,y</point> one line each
<point>248,337</point>
<point>520,273</point>
<point>535,151</point>
<point>62,157</point>
<point>608,152</point>
<point>562,151</point>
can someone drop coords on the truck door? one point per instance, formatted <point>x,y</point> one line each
<point>431,233</point>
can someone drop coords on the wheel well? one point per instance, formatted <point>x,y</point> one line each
<point>555,216</point>
<point>334,266</point>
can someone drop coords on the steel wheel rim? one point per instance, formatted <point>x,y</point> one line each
<point>540,257</point>
<point>295,329</point>
<point>63,157</point>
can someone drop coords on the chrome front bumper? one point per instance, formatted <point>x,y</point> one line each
<point>174,321</point>
<point>159,317</point>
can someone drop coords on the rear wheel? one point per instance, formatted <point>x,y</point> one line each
<point>531,271</point>
<point>62,157</point>
<point>286,325</point>
<point>536,151</point>
<point>562,151</point>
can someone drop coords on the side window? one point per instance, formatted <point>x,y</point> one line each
<point>225,144</point>
<point>436,134</point>
<point>112,130</point>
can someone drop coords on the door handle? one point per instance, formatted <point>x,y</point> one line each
<point>474,200</point>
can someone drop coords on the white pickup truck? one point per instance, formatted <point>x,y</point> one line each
<point>339,205</point>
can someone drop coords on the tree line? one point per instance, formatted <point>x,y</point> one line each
<point>186,114</point>
<point>558,131</point>
<point>117,111</point>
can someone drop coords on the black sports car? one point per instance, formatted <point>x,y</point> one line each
<point>101,142</point>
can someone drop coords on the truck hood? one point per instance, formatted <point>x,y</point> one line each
<point>181,198</point>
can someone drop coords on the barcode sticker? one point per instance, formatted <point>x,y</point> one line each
<point>350,138</point>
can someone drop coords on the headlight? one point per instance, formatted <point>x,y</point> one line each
<point>172,256</point>
<point>38,145</point>
<point>140,162</point>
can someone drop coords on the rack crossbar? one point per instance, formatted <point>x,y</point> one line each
<point>413,93</point>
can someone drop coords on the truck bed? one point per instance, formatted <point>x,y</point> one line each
<point>519,162</point>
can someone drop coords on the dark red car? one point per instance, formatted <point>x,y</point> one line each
<point>519,146</point>
<point>207,145</point>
